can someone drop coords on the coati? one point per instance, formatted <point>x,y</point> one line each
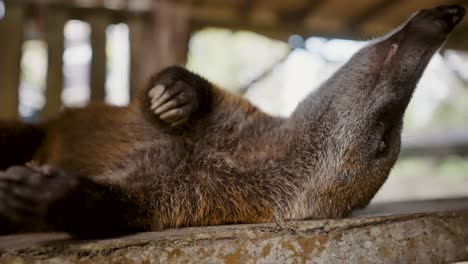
<point>186,153</point>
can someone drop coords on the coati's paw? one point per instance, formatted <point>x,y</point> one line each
<point>176,95</point>
<point>173,102</point>
<point>27,192</point>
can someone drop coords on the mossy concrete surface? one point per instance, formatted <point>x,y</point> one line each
<point>428,237</point>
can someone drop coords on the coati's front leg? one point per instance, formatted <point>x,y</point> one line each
<point>176,96</point>
<point>47,199</point>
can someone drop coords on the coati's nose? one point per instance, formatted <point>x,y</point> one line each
<point>452,15</point>
<point>445,16</point>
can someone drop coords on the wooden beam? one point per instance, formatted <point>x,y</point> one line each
<point>56,19</point>
<point>373,10</point>
<point>441,143</point>
<point>78,12</point>
<point>311,8</point>
<point>279,31</point>
<point>113,15</point>
<point>245,7</point>
<point>300,15</point>
<point>458,39</point>
<point>165,39</point>
<point>136,29</point>
<point>99,24</point>
<point>11,38</point>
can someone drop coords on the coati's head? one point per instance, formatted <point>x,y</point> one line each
<point>358,112</point>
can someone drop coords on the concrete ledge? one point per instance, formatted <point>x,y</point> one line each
<point>431,237</point>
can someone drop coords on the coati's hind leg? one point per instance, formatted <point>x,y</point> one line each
<point>21,204</point>
<point>43,198</point>
<point>176,95</point>
<point>18,143</point>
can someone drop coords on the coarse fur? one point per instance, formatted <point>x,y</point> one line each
<point>186,153</point>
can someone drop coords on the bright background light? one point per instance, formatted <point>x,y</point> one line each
<point>2,9</point>
<point>118,65</point>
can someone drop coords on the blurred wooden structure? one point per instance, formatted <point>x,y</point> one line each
<point>437,143</point>
<point>160,29</point>
<point>159,36</point>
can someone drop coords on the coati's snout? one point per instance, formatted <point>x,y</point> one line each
<point>437,20</point>
<point>423,33</point>
<point>397,61</point>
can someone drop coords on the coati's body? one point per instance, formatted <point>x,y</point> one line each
<point>186,153</point>
<point>204,164</point>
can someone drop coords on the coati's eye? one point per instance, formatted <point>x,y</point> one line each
<point>383,147</point>
<point>384,144</point>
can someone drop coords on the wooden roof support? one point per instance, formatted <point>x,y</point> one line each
<point>373,10</point>
<point>165,41</point>
<point>11,28</point>
<point>99,24</point>
<point>246,7</point>
<point>441,143</point>
<point>55,24</point>
<point>136,27</point>
<point>300,15</point>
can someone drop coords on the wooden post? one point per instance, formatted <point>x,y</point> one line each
<point>55,23</point>
<point>99,23</point>
<point>136,27</point>
<point>166,38</point>
<point>11,37</point>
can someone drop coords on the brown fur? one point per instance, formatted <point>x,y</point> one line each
<point>167,163</point>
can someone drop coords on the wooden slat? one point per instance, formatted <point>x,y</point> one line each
<point>310,8</point>
<point>371,11</point>
<point>56,20</point>
<point>329,19</point>
<point>11,37</point>
<point>283,5</point>
<point>397,13</point>
<point>165,38</point>
<point>300,14</point>
<point>440,143</point>
<point>98,24</point>
<point>136,28</point>
<point>343,9</point>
